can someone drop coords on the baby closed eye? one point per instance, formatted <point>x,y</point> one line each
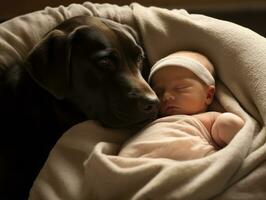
<point>181,88</point>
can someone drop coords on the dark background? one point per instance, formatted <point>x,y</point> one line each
<point>249,13</point>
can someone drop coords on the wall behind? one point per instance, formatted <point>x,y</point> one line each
<point>249,13</point>
<point>11,8</point>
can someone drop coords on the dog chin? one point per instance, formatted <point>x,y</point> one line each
<point>129,124</point>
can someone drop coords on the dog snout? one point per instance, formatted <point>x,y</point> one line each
<point>148,105</point>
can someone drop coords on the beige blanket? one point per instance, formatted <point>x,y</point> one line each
<point>84,165</point>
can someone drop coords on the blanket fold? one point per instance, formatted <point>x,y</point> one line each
<point>84,163</point>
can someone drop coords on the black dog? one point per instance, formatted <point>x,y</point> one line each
<point>86,68</point>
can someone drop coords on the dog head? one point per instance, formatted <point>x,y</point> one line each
<point>95,64</point>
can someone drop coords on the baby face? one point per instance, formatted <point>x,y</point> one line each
<point>180,91</point>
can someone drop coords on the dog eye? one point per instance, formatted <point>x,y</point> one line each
<point>106,63</point>
<point>140,58</point>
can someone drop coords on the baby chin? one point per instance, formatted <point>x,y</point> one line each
<point>171,111</point>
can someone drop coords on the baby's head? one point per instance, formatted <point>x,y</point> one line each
<point>184,82</point>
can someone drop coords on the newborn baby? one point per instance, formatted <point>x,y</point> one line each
<point>184,82</point>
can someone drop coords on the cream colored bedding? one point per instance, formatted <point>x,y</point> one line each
<point>84,165</point>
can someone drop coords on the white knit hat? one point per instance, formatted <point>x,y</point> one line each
<point>182,61</point>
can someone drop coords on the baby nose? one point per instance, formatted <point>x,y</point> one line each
<point>167,96</point>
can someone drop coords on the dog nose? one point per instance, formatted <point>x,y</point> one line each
<point>148,105</point>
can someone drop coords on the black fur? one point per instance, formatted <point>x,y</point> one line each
<point>86,68</point>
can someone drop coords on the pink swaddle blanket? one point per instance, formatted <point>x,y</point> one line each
<point>178,137</point>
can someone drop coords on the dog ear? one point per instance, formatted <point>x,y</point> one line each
<point>48,63</point>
